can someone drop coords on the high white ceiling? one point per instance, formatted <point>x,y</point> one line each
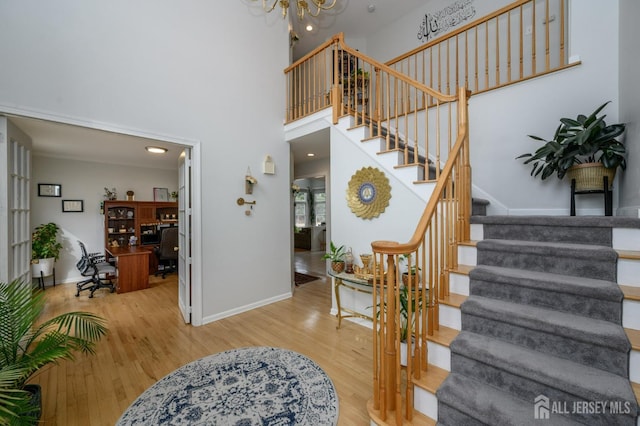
<point>351,17</point>
<point>73,142</point>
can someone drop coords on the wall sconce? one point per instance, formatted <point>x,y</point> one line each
<point>269,167</point>
<point>249,181</point>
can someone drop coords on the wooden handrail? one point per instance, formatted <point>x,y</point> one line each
<point>401,102</point>
<point>485,63</point>
<point>400,76</point>
<point>430,253</point>
<point>458,31</point>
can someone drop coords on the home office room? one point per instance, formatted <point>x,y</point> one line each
<point>108,192</point>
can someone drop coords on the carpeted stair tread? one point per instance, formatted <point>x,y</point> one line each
<point>571,259</point>
<point>583,382</point>
<point>588,330</point>
<point>581,251</point>
<point>559,283</point>
<point>479,403</point>
<point>571,221</point>
<point>591,342</point>
<point>588,297</point>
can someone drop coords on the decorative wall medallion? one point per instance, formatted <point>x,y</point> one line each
<point>368,193</point>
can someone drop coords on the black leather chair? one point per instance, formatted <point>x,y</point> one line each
<point>167,251</point>
<point>96,269</point>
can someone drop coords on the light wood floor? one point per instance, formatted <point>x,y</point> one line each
<point>147,340</point>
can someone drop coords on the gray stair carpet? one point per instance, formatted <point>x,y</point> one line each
<point>541,329</point>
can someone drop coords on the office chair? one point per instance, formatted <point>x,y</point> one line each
<point>167,252</point>
<point>93,266</point>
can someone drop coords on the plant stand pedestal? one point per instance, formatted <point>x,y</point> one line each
<point>41,279</point>
<point>607,193</point>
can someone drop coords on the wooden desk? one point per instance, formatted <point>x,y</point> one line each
<point>133,267</point>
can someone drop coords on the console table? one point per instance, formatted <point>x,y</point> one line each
<point>349,281</point>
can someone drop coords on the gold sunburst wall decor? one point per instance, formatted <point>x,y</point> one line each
<point>368,193</point>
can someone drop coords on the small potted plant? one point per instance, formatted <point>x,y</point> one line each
<point>336,256</point>
<point>45,248</point>
<point>585,144</point>
<point>27,344</point>
<point>411,272</point>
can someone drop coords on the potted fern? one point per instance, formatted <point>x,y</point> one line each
<point>45,248</point>
<point>28,344</point>
<point>584,146</point>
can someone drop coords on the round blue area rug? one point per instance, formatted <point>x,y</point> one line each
<point>246,386</point>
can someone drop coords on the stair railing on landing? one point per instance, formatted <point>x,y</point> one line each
<point>377,97</point>
<point>414,304</point>
<point>520,41</point>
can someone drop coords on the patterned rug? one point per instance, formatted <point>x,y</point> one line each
<point>246,386</point>
<point>300,278</point>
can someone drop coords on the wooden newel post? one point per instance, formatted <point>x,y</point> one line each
<point>390,335</point>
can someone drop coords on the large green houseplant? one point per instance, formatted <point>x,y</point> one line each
<point>44,242</point>
<point>583,140</point>
<point>28,344</point>
<point>45,245</point>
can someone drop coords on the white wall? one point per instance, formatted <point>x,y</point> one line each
<point>401,36</point>
<point>85,181</point>
<point>630,104</point>
<point>195,70</point>
<point>500,120</point>
<point>396,223</point>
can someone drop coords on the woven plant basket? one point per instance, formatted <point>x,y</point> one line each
<point>589,176</point>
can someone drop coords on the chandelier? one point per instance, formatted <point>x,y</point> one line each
<point>311,7</point>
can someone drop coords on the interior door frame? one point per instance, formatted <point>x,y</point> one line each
<point>196,188</point>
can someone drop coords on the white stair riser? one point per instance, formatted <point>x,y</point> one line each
<point>467,255</point>
<point>372,147</point>
<point>626,239</point>
<point>357,133</point>
<point>634,366</point>
<point>477,232</point>
<point>439,355</point>
<point>345,123</point>
<point>450,317</point>
<point>629,272</point>
<point>425,402</point>
<point>388,160</point>
<point>631,314</point>
<point>408,174</point>
<point>459,284</point>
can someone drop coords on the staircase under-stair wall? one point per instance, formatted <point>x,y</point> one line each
<point>542,324</point>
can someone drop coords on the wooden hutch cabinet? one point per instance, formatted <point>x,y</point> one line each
<point>142,219</point>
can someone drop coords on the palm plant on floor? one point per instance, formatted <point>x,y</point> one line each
<point>27,344</point>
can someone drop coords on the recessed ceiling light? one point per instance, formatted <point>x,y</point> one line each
<point>309,27</point>
<point>371,8</point>
<point>156,149</point>
<point>311,154</point>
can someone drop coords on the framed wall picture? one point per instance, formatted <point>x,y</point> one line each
<point>160,194</point>
<point>72,206</point>
<point>49,190</point>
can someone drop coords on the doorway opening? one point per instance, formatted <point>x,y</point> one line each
<point>108,144</point>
